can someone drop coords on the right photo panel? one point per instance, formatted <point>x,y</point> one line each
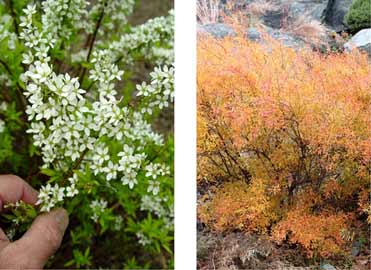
<point>283,122</point>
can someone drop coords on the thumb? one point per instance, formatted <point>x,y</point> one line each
<point>42,239</point>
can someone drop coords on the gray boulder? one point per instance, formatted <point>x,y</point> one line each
<point>294,10</point>
<point>331,12</point>
<point>253,34</point>
<point>218,30</point>
<point>361,41</point>
<point>313,8</point>
<point>286,38</point>
<point>273,19</point>
<point>356,248</point>
<point>335,14</point>
<point>327,266</point>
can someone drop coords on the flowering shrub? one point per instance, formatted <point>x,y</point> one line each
<point>73,123</point>
<point>284,137</point>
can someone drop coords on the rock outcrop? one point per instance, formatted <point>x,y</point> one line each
<point>290,11</point>
<point>330,12</point>
<point>335,13</point>
<point>217,30</point>
<point>361,41</point>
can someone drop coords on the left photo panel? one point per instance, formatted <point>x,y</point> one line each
<point>87,134</point>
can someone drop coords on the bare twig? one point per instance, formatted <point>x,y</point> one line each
<point>19,87</point>
<point>208,11</point>
<point>75,166</point>
<point>14,16</point>
<point>92,39</point>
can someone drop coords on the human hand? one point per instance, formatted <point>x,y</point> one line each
<point>43,237</point>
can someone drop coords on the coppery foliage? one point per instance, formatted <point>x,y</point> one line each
<point>290,132</point>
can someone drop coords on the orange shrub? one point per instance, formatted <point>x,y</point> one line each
<point>292,123</point>
<point>239,206</point>
<point>317,227</point>
<point>319,235</point>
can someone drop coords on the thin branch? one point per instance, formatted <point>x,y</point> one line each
<point>75,166</point>
<point>14,16</point>
<point>19,87</point>
<point>242,170</point>
<point>93,38</point>
<point>7,68</point>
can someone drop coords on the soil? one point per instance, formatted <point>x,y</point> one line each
<point>146,9</point>
<point>238,250</point>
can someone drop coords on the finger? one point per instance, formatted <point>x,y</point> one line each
<point>40,241</point>
<point>13,189</point>
<point>4,241</point>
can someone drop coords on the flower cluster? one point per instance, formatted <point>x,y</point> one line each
<point>54,14</point>
<point>98,207</point>
<point>143,239</point>
<point>50,196</point>
<point>6,34</point>
<point>154,170</point>
<point>143,39</point>
<point>160,92</point>
<point>73,128</point>
<point>118,223</point>
<point>3,107</point>
<point>117,11</point>
<point>2,125</point>
<point>104,73</point>
<point>79,125</point>
<point>158,206</point>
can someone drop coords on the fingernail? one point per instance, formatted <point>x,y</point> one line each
<point>34,195</point>
<point>61,217</point>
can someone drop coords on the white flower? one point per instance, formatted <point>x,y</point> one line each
<point>110,170</point>
<point>49,196</point>
<point>118,223</point>
<point>154,170</point>
<point>98,207</point>
<point>129,179</point>
<point>144,89</point>
<point>43,71</point>
<point>101,154</point>
<point>161,90</point>
<point>59,194</point>
<point>71,191</point>
<point>154,187</point>
<point>142,239</point>
<point>2,125</point>
<point>160,207</point>
<point>30,9</point>
<point>3,106</point>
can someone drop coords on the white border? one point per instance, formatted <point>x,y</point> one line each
<point>185,134</point>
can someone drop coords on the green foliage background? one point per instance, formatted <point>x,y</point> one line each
<point>359,15</point>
